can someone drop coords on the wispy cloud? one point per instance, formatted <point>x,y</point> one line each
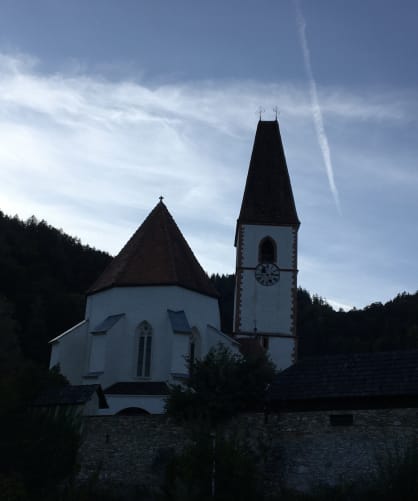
<point>92,156</point>
<point>316,109</point>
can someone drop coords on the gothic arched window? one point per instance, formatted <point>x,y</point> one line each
<point>143,368</point>
<point>267,251</point>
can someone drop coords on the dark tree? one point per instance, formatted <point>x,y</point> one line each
<point>225,285</point>
<point>221,385</point>
<point>44,274</point>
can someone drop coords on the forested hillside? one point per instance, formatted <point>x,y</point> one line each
<point>44,274</point>
<point>322,330</point>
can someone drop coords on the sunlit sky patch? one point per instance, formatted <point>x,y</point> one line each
<point>105,106</point>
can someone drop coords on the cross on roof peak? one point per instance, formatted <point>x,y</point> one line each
<point>260,111</point>
<point>276,111</point>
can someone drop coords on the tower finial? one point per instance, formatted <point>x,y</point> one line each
<point>276,111</point>
<point>161,198</point>
<point>260,111</point>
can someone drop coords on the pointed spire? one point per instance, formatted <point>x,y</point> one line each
<point>156,254</point>
<point>268,197</point>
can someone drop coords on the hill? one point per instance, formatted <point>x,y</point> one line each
<point>43,276</point>
<point>322,330</point>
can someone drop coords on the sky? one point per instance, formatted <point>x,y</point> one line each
<point>107,104</point>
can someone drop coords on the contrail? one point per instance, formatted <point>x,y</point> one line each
<point>316,110</point>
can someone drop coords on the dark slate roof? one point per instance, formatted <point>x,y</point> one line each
<point>179,322</point>
<point>268,197</point>
<point>107,323</point>
<point>156,254</point>
<point>356,375</point>
<point>138,388</point>
<point>71,395</point>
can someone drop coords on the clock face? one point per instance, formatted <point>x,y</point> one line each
<point>267,274</point>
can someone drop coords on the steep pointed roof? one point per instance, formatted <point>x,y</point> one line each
<point>268,197</point>
<point>156,254</point>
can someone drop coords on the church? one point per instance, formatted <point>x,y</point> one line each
<point>154,309</point>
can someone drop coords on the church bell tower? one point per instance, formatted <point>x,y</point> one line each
<point>266,255</point>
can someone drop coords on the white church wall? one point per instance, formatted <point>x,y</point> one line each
<point>97,356</point>
<point>180,350</point>
<point>266,308</point>
<point>254,234</point>
<point>154,404</point>
<point>114,357</point>
<point>69,350</point>
<point>281,351</point>
<point>214,338</point>
<point>150,304</point>
<point>145,303</point>
<point>91,407</point>
<point>55,354</point>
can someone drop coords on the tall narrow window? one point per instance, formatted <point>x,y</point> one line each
<point>267,251</point>
<point>192,354</point>
<point>194,347</point>
<point>144,349</point>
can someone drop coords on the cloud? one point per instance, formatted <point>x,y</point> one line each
<point>92,156</point>
<point>316,109</point>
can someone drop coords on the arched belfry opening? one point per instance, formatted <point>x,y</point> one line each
<point>267,251</point>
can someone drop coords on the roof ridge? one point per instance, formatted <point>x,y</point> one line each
<point>169,242</point>
<point>268,196</point>
<point>156,254</point>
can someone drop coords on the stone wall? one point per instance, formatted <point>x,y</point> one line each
<point>127,449</point>
<point>300,449</point>
<point>313,451</point>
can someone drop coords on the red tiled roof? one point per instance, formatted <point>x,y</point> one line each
<point>268,197</point>
<point>156,254</point>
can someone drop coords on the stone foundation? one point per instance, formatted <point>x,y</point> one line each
<point>298,449</point>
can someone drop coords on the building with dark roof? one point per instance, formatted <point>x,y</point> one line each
<point>83,399</point>
<point>337,419</point>
<point>156,254</point>
<point>266,242</point>
<point>348,381</point>
<point>154,306</point>
<point>150,309</point>
<point>327,419</point>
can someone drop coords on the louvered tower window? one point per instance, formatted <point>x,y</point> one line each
<point>144,349</point>
<point>267,252</point>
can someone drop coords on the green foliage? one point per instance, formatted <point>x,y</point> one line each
<point>221,385</point>
<point>213,467</point>
<point>9,347</point>
<point>225,285</point>
<point>38,448</point>
<point>44,274</point>
<point>396,476</point>
<point>395,479</point>
<point>322,330</point>
<point>378,327</point>
<point>12,488</point>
